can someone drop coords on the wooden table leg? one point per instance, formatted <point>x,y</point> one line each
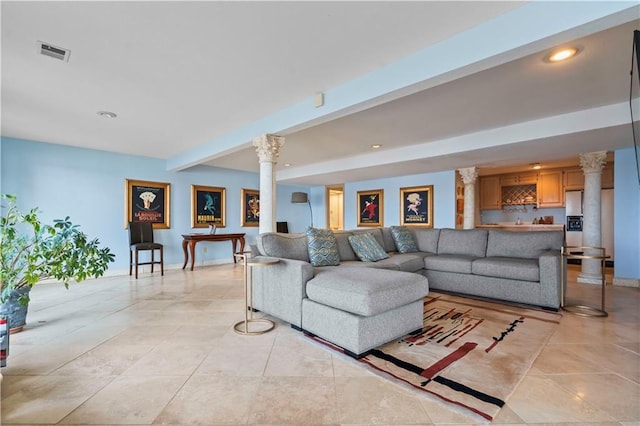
<point>241,244</point>
<point>186,256</point>
<point>192,250</point>
<point>234,242</point>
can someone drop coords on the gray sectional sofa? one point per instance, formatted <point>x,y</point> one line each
<point>360,305</point>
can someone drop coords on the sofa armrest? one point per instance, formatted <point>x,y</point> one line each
<point>550,263</point>
<point>278,289</point>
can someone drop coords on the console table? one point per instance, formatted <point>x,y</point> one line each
<point>191,240</point>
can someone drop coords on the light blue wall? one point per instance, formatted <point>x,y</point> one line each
<point>444,190</point>
<point>626,215</point>
<point>88,186</point>
<point>297,216</point>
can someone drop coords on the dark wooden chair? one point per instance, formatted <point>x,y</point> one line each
<point>141,239</point>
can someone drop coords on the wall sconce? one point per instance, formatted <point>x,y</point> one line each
<point>302,198</point>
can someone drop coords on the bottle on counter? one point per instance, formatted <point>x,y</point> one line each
<point>518,222</point>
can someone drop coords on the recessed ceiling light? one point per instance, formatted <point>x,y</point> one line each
<point>376,146</point>
<point>562,54</point>
<point>287,164</point>
<point>107,114</point>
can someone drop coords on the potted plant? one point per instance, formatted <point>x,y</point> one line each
<point>31,251</point>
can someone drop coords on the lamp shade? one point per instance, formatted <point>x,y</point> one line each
<point>299,198</point>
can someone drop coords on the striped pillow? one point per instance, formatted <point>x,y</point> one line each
<point>405,243</point>
<point>367,248</point>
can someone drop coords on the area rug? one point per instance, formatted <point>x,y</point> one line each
<point>470,353</point>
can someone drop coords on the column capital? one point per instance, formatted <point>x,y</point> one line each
<point>268,147</point>
<point>469,174</point>
<point>593,162</point>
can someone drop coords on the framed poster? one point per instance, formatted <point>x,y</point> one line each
<point>147,202</point>
<point>416,206</point>
<point>250,208</point>
<point>370,207</point>
<point>207,206</point>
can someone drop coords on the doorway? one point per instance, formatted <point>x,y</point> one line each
<point>335,206</point>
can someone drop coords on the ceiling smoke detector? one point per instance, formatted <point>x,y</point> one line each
<point>107,114</point>
<point>48,49</point>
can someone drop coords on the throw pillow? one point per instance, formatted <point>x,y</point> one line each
<point>322,246</point>
<point>367,248</point>
<point>405,243</point>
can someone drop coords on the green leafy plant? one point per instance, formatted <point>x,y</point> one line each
<point>31,251</point>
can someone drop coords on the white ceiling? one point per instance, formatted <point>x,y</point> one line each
<point>193,82</point>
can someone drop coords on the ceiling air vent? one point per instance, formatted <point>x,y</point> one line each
<point>52,51</point>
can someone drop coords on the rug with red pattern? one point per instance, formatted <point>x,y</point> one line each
<point>470,353</point>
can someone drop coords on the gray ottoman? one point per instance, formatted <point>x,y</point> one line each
<point>359,309</point>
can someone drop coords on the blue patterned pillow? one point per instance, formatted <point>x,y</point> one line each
<point>405,243</point>
<point>367,248</point>
<point>322,246</point>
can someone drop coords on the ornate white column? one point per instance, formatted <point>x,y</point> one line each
<point>592,164</point>
<point>469,176</point>
<point>268,149</point>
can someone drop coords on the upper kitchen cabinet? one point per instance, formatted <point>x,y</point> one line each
<point>574,178</point>
<point>490,193</point>
<point>514,179</point>
<point>550,190</point>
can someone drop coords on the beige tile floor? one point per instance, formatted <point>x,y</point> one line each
<point>161,350</point>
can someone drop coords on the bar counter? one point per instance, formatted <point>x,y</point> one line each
<point>523,227</point>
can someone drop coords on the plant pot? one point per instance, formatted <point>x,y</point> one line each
<point>14,311</point>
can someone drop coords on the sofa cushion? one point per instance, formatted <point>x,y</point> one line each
<point>407,262</point>
<point>367,248</point>
<point>344,247</point>
<point>527,245</point>
<point>288,246</point>
<point>426,239</point>
<point>360,264</point>
<point>389,244</point>
<point>450,263</point>
<point>365,291</point>
<point>469,242</point>
<point>404,240</point>
<point>322,246</point>
<point>507,267</point>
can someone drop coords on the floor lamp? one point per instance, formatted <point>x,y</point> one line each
<point>302,198</point>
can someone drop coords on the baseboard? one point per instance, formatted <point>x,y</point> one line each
<point>147,268</point>
<point>626,282</point>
